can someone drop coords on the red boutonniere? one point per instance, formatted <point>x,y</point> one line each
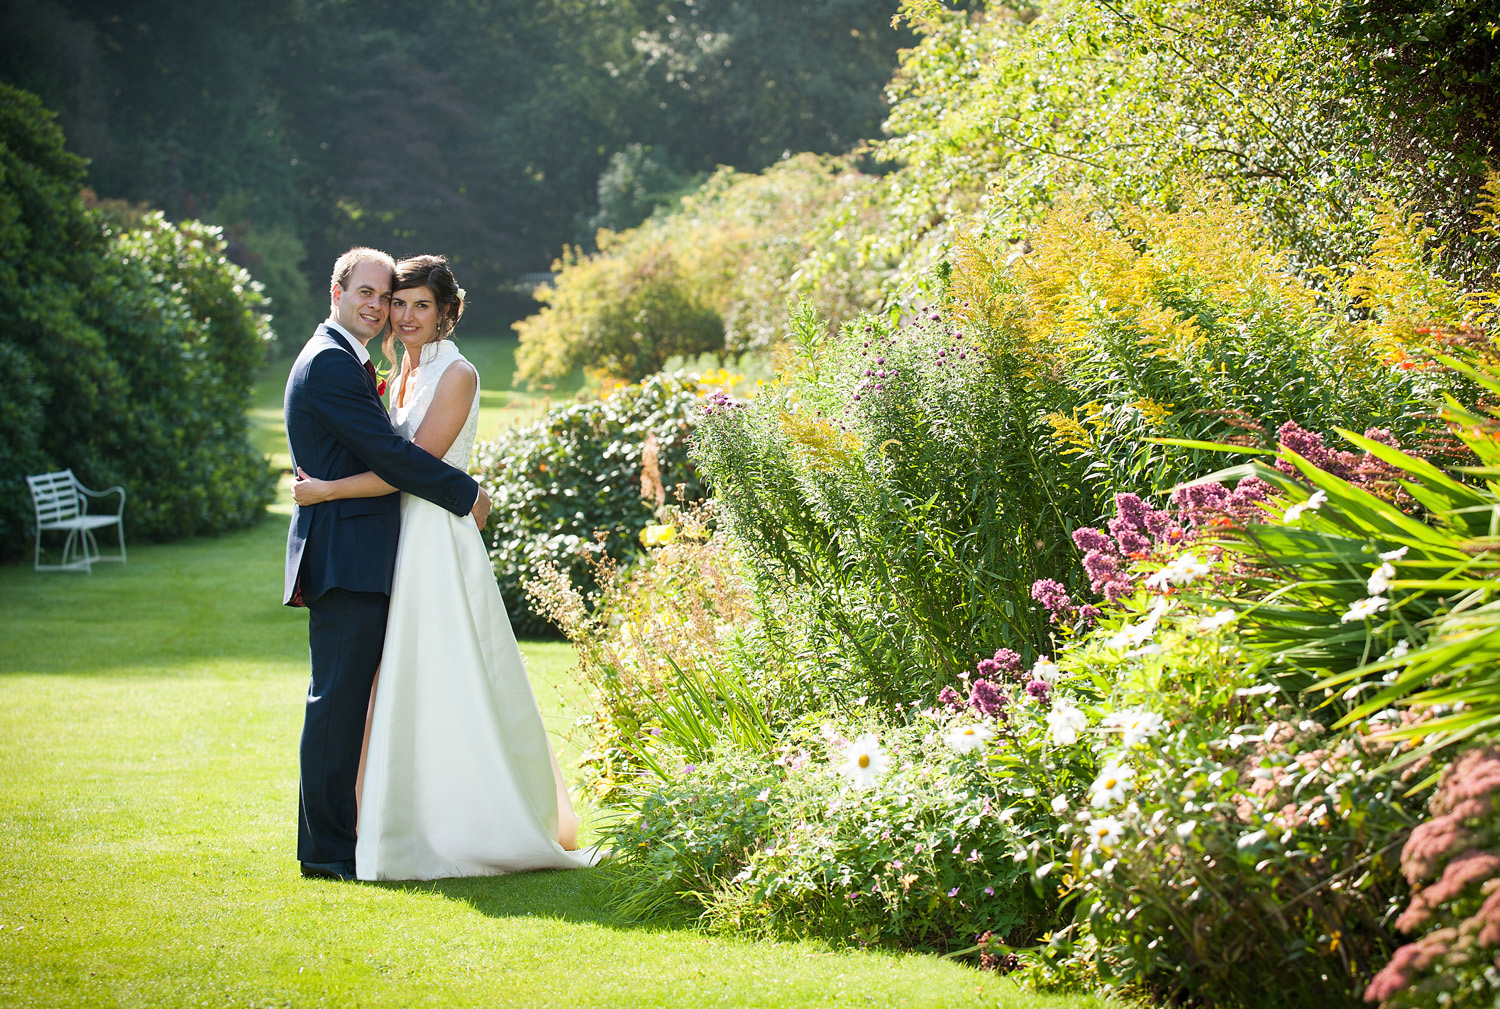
<point>381,374</point>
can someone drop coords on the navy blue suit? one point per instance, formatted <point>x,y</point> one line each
<point>340,558</point>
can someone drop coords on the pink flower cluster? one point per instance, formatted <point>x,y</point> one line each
<point>1005,663</point>
<point>1362,469</point>
<point>987,696</point>
<point>1134,533</point>
<point>1453,863</point>
<point>1213,504</point>
<point>1351,466</point>
<point>1059,604</point>
<point>1137,531</point>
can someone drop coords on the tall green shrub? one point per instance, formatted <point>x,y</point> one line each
<point>128,355</point>
<point>711,276</point>
<point>578,472</point>
<point>898,492</point>
<point>895,497</point>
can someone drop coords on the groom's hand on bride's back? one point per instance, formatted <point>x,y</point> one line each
<point>481,511</point>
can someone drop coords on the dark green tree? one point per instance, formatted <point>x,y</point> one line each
<point>128,354</point>
<point>476,129</point>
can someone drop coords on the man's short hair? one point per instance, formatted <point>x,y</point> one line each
<point>349,260</point>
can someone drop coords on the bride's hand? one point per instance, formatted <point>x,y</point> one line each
<point>307,490</point>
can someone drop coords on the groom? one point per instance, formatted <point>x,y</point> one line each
<point>340,555</point>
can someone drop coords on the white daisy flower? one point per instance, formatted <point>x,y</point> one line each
<point>1217,619</point>
<point>1380,579</point>
<point>1105,832</point>
<point>1109,788</point>
<point>1064,722</point>
<point>1132,635</point>
<point>1399,652</point>
<point>1142,630</point>
<point>967,738</point>
<point>1313,503</point>
<point>1138,726</point>
<point>1059,804</point>
<point>1045,670</point>
<point>1394,555</point>
<point>1183,571</point>
<point>864,761</point>
<point>1363,608</point>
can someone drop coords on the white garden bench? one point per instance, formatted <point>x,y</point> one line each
<point>62,505</point>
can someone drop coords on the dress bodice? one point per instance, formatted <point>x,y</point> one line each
<point>421,386</point>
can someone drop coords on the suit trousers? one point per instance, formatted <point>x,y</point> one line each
<point>346,631</point>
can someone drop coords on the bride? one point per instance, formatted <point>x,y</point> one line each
<point>459,778</point>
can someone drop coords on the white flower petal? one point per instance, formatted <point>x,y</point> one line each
<point>1364,608</point>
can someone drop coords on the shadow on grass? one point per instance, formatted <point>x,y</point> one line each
<point>575,896</point>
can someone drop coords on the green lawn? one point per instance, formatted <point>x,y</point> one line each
<point>148,736</point>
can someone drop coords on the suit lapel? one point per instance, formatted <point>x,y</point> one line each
<point>343,341</point>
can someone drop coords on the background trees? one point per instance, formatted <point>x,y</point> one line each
<point>1318,116</point>
<point>477,128</point>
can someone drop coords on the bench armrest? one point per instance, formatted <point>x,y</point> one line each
<point>105,493</point>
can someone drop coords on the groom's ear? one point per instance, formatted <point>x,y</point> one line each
<point>335,291</point>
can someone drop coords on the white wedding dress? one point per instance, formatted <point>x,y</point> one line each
<point>460,779</point>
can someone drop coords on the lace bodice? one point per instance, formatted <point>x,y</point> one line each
<point>421,387</point>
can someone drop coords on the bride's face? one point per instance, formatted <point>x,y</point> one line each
<point>414,316</point>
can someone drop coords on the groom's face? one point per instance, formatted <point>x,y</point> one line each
<point>363,303</point>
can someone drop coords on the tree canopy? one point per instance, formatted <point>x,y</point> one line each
<point>480,130</point>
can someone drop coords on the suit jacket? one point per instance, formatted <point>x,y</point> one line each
<point>337,427</point>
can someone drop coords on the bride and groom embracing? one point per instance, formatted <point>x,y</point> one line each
<point>423,752</point>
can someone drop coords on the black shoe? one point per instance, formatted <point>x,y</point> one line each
<point>328,870</point>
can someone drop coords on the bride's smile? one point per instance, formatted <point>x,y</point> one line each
<point>414,316</point>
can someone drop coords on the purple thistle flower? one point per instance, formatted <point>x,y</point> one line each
<point>1007,660</point>
<point>1037,690</point>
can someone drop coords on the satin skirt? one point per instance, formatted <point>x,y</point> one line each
<point>460,778</point>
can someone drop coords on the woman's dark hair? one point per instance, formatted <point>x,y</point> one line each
<point>435,274</point>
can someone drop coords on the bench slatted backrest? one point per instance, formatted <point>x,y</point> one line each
<point>55,496</point>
